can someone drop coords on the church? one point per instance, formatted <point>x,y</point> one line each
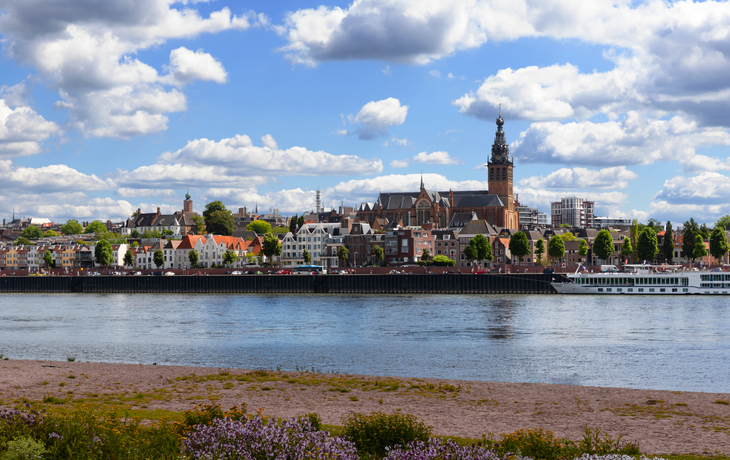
<point>436,209</point>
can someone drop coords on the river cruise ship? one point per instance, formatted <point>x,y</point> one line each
<point>646,280</point>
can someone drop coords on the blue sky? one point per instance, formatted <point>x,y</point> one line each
<point>107,107</point>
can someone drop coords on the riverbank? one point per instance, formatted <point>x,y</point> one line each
<point>662,422</point>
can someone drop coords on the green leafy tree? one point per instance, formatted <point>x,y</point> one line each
<point>22,241</point>
<point>194,258</point>
<point>718,243</point>
<point>300,222</point>
<point>151,234</point>
<point>556,247</point>
<point>668,243</point>
<point>271,246</point>
<point>50,233</point>
<point>72,227</point>
<point>129,258</point>
<point>306,256</point>
<point>568,236</point>
<point>539,250</point>
<point>199,224</point>
<point>95,227</point>
<point>647,248</point>
<point>167,232</point>
<point>220,223</point>
<point>443,261</point>
<point>158,258</point>
<point>379,254</point>
<point>212,207</point>
<point>103,253</point>
<point>691,229</point>
<point>230,257</point>
<point>470,252</point>
<point>565,225</point>
<point>655,225</point>
<point>293,224</point>
<point>705,232</point>
<point>48,259</point>
<point>135,244</point>
<point>250,258</point>
<point>135,233</point>
<point>724,222</point>
<point>603,245</point>
<point>483,248</point>
<point>32,232</point>
<point>343,254</point>
<point>582,248</point>
<point>519,246</point>
<point>634,237</point>
<point>280,230</point>
<point>261,227</point>
<point>425,255</point>
<point>699,250</point>
<point>626,249</point>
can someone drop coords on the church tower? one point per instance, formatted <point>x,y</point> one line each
<point>499,168</point>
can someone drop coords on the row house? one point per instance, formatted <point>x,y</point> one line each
<point>361,242</point>
<point>446,243</point>
<point>313,237</point>
<point>469,231</point>
<point>406,245</point>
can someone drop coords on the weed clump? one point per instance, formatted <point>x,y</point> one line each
<point>24,448</point>
<point>373,434</point>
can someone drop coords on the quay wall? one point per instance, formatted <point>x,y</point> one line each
<point>526,283</point>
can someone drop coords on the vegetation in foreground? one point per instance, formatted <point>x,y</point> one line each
<point>210,432</point>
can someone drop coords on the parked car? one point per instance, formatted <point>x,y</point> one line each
<point>481,272</point>
<point>283,272</point>
<point>236,272</point>
<point>169,273</point>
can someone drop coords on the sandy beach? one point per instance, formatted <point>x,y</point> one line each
<point>662,422</point>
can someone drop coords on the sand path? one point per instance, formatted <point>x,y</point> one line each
<point>662,422</point>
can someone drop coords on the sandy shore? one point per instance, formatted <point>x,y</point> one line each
<point>662,422</point>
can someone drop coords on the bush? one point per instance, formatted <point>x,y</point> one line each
<point>313,419</point>
<point>373,433</point>
<point>24,448</point>
<point>440,449</point>
<point>205,414</point>
<point>294,439</point>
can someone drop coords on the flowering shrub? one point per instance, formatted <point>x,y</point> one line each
<point>24,449</point>
<point>439,449</point>
<point>254,439</point>
<point>616,457</point>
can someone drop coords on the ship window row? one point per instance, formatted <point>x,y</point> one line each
<point>715,277</point>
<point>635,281</point>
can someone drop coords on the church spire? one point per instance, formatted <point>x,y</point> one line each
<point>500,149</point>
<point>422,187</point>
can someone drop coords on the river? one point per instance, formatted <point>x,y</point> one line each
<point>669,342</point>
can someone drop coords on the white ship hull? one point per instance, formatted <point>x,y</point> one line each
<point>646,280</point>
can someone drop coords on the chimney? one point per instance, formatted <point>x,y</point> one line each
<point>158,211</point>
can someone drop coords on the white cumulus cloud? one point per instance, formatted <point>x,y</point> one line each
<point>22,130</point>
<point>377,116</point>
<point>436,158</point>
<point>581,178</point>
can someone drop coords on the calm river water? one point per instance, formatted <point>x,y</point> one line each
<point>672,343</point>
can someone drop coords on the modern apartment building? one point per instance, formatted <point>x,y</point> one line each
<point>574,211</point>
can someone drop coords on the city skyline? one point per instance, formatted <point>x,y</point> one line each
<point>107,107</point>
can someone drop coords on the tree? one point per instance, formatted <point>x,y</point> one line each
<point>220,223</point>
<point>518,245</point>
<point>634,237</point>
<point>539,249</point>
<point>343,254</point>
<point>167,232</point>
<point>583,248</point>
<point>193,257</point>
<point>300,222</point>
<point>718,243</point>
<point>199,224</point>
<point>705,232</point>
<point>425,255</point>
<point>230,257</point>
<point>32,232</point>
<point>556,247</point>
<point>647,248</point>
<point>483,248</point>
<point>135,244</point>
<point>135,233</point>
<point>470,252</point>
<point>691,229</point>
<point>699,250</point>
<point>626,249</point>
<point>306,256</point>
<point>72,227</point>
<point>212,207</point>
<point>655,225</point>
<point>603,245</point>
<point>379,255</point>
<point>95,227</point>
<point>293,224</point>
<point>668,243</point>
<point>159,258</point>
<point>568,236</point>
<point>22,241</point>
<point>48,259</point>
<point>271,246</point>
<point>103,253</point>
<point>50,233</point>
<point>261,227</point>
<point>565,225</point>
<point>724,222</point>
<point>129,258</point>
<point>443,261</point>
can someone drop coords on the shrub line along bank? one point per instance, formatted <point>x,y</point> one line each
<point>449,283</point>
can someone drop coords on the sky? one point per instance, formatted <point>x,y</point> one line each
<point>107,107</point>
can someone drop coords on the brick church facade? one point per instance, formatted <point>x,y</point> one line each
<point>496,205</point>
